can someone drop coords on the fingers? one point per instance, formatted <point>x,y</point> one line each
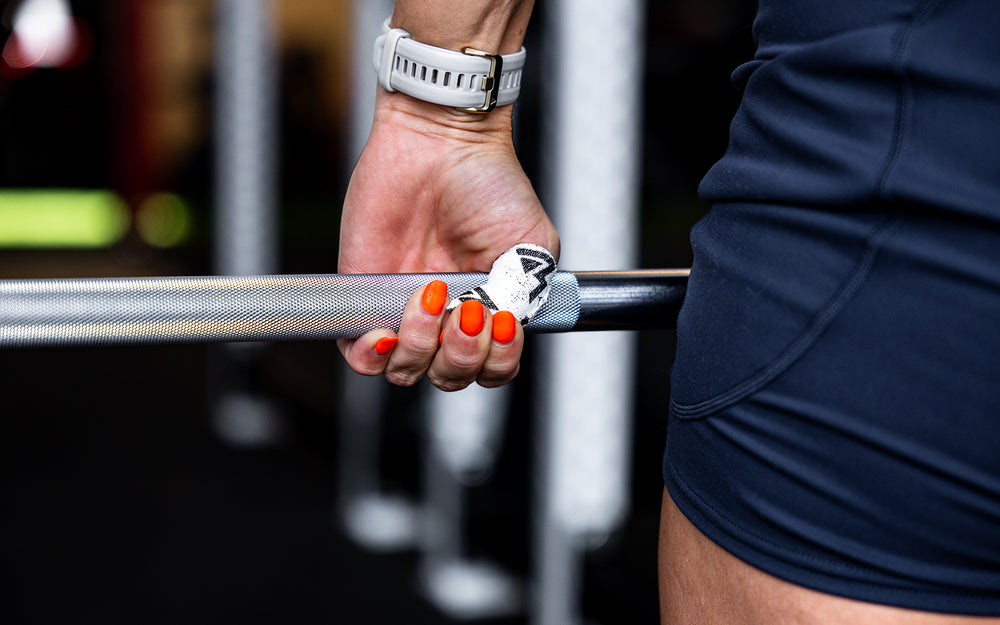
<point>465,344</point>
<point>477,346</point>
<point>403,357</point>
<point>418,335</point>
<point>469,344</point>
<point>504,359</point>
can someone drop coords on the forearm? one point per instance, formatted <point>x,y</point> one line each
<point>496,26</point>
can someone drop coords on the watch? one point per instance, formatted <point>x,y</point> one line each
<point>471,80</point>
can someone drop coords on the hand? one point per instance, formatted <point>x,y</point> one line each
<point>438,190</point>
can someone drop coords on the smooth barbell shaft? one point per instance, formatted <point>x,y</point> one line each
<point>208,309</point>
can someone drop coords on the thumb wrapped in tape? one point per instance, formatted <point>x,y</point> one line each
<point>518,282</point>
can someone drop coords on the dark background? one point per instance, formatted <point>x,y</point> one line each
<point>118,504</point>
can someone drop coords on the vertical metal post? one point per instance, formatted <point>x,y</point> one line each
<point>368,16</point>
<point>371,518</point>
<point>246,224</point>
<point>246,241</point>
<point>592,191</point>
<point>464,432</point>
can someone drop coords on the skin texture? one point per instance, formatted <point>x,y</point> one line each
<point>490,25</point>
<point>701,584</point>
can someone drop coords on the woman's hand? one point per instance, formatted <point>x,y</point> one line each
<point>436,190</point>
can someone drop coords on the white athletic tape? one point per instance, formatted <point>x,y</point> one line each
<point>518,282</point>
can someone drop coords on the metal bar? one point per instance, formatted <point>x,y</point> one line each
<point>633,300</point>
<point>209,309</point>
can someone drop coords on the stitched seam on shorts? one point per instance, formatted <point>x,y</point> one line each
<point>902,44</point>
<point>802,343</point>
<point>904,97</point>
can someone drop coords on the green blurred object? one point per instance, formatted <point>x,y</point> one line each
<point>62,218</point>
<point>163,220</point>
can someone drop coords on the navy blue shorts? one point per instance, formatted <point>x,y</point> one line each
<point>844,434</point>
<point>835,412</point>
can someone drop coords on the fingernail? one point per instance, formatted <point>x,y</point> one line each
<point>504,327</point>
<point>473,318</point>
<point>435,297</point>
<point>441,339</point>
<point>385,344</point>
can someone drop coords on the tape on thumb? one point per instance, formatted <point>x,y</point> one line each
<point>518,282</point>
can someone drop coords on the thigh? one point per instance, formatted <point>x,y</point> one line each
<point>701,584</point>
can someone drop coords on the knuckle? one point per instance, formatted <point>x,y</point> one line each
<point>402,376</point>
<point>421,347</point>
<point>451,387</point>
<point>465,363</point>
<point>449,383</point>
<point>492,377</point>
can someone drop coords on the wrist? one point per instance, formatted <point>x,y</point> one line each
<point>400,111</point>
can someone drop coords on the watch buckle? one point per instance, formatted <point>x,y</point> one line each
<point>491,81</point>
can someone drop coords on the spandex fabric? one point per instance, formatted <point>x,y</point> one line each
<point>835,411</point>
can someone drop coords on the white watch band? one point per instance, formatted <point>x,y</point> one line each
<point>470,80</point>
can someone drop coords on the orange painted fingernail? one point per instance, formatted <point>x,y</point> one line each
<point>441,339</point>
<point>385,344</point>
<point>504,327</point>
<point>473,318</point>
<point>435,297</point>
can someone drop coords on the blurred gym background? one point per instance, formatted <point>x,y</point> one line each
<point>127,495</point>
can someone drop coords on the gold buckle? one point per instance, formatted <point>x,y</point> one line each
<point>491,81</point>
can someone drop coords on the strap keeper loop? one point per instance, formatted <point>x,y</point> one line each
<point>388,58</point>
